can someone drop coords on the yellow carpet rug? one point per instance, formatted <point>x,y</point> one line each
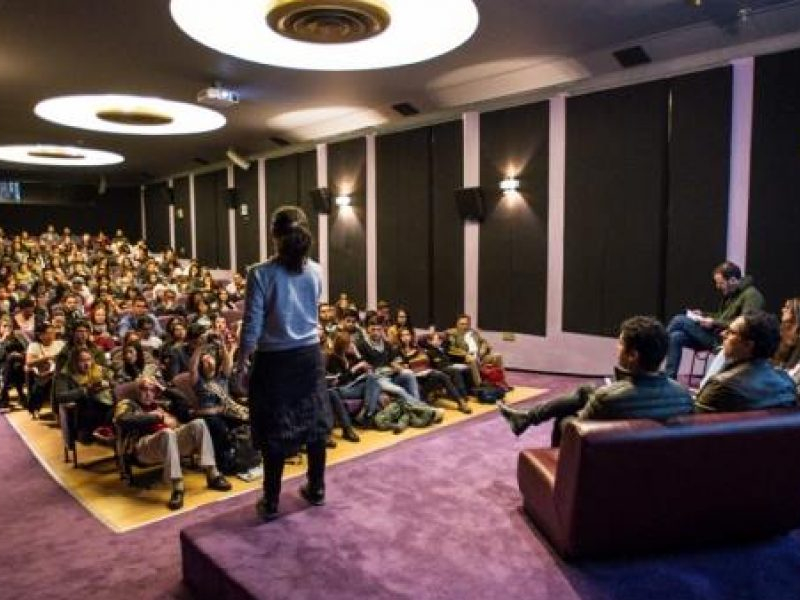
<point>96,484</point>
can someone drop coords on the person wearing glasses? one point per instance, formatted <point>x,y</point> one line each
<point>748,380</point>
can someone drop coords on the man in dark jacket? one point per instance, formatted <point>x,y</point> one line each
<point>748,381</point>
<point>640,390</point>
<point>702,331</point>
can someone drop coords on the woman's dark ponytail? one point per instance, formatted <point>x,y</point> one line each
<point>292,237</point>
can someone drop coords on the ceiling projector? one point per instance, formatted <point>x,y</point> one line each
<point>218,97</point>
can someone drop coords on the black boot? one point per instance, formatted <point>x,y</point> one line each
<point>518,420</point>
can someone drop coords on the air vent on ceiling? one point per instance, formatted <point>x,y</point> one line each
<point>632,57</point>
<point>405,108</point>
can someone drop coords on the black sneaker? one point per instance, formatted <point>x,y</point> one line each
<point>350,435</point>
<point>315,497</point>
<point>219,483</point>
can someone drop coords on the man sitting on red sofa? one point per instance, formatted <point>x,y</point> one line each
<point>640,389</point>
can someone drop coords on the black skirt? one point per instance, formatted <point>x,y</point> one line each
<point>288,399</point>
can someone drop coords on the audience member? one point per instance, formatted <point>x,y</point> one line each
<point>702,331</point>
<point>639,392</point>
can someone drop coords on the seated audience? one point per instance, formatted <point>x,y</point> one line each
<point>466,345</point>
<point>702,331</point>
<point>87,385</point>
<point>12,363</point>
<point>459,373</point>
<point>151,434</point>
<point>640,391</point>
<point>138,309</point>
<point>40,362</point>
<point>210,371</point>
<point>748,381</point>
<point>347,380</point>
<point>787,356</point>
<point>430,379</point>
<point>178,359</point>
<point>134,364</point>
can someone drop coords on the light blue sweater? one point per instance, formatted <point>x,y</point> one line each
<point>280,309</point>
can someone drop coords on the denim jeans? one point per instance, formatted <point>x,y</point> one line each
<point>402,385</point>
<point>686,333</point>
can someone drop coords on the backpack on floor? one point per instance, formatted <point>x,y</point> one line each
<point>488,393</point>
<point>243,456</point>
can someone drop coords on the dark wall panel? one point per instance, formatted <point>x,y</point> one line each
<point>404,221</point>
<point>78,207</point>
<point>156,206</point>
<point>183,224</point>
<point>247,242</point>
<point>347,237</point>
<point>289,181</point>
<point>773,243</point>
<point>447,174</point>
<point>699,168</point>
<point>512,280</point>
<point>615,205</point>
<point>307,181</point>
<point>211,219</point>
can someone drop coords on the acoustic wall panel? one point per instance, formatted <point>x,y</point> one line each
<point>615,207</point>
<point>211,219</point>
<point>156,206</point>
<point>773,244</point>
<point>247,242</point>
<point>289,181</point>
<point>447,229</point>
<point>183,224</point>
<point>699,172</point>
<point>512,280</point>
<point>347,233</point>
<point>404,221</point>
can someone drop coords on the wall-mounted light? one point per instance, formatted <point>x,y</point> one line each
<point>244,210</point>
<point>178,213</point>
<point>237,159</point>
<point>343,200</point>
<point>509,184</point>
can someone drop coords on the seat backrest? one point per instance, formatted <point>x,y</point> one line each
<point>129,390</point>
<point>183,381</point>
<point>709,477</point>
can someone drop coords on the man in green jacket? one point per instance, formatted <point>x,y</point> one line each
<point>639,392</point>
<point>703,331</point>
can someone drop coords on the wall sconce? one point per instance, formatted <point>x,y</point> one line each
<point>178,213</point>
<point>509,184</point>
<point>343,200</point>
<point>244,210</point>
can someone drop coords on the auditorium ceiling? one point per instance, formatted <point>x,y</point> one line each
<point>54,48</point>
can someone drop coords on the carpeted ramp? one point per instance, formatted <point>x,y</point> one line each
<point>439,518</point>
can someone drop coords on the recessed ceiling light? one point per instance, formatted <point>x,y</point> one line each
<point>335,35</point>
<point>137,115</point>
<point>59,156</point>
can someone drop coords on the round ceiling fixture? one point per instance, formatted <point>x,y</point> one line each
<point>328,21</point>
<point>329,35</point>
<point>58,156</point>
<point>136,115</point>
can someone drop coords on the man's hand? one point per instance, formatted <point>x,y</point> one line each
<point>706,322</point>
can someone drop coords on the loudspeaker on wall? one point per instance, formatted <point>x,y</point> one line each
<point>470,204</point>
<point>232,196</point>
<point>321,199</point>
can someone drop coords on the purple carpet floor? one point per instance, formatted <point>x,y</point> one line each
<point>440,518</point>
<point>435,517</point>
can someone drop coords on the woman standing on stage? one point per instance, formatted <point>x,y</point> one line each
<point>287,392</point>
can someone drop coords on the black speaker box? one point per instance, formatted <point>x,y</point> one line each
<point>232,196</point>
<point>321,199</point>
<point>470,204</point>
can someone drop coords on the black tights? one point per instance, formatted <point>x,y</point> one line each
<point>273,470</point>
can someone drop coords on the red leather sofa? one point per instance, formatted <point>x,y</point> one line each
<point>633,486</point>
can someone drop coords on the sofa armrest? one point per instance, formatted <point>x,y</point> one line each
<point>536,476</point>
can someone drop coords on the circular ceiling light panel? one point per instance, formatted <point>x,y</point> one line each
<point>58,156</point>
<point>136,115</point>
<point>329,35</point>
